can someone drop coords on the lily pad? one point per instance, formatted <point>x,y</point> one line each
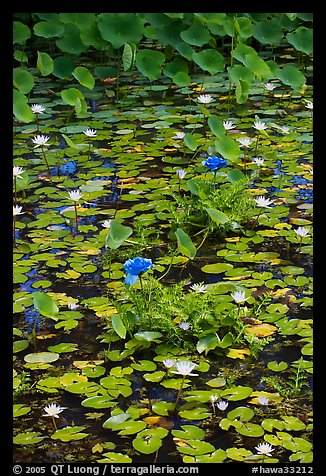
<point>41,357</point>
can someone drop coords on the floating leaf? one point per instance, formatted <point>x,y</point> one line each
<point>41,357</point>
<point>44,304</point>
<point>147,444</point>
<point>118,234</point>
<point>28,438</point>
<point>189,432</point>
<point>196,447</point>
<point>119,326</point>
<point>19,410</point>
<point>70,433</point>
<point>277,366</point>
<point>100,401</point>
<point>236,393</point>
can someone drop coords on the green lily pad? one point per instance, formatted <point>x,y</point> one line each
<point>64,347</point>
<point>70,433</point>
<point>198,413</point>
<point>154,376</point>
<point>189,432</point>
<point>241,413</point>
<point>19,410</point>
<point>144,366</point>
<point>112,457</point>
<point>98,402</point>
<point>129,427</point>
<point>277,366</point>
<point>216,268</point>
<point>147,444</point>
<point>20,345</point>
<point>236,393</point>
<point>250,429</point>
<point>93,372</point>
<point>196,447</point>
<point>41,357</point>
<point>28,438</point>
<point>163,408</point>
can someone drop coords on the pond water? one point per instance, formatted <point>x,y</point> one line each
<point>118,396</point>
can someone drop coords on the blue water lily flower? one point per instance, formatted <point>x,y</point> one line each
<point>136,266</point>
<point>214,163</point>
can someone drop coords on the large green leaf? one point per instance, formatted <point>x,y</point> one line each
<point>190,141</point>
<point>185,244</point>
<point>84,77</point>
<point>206,343</point>
<point>217,216</point>
<point>268,32</point>
<point>291,76</point>
<point>198,186</point>
<point>70,433</point>
<point>228,148</point>
<point>48,29</point>
<point>70,41</point>
<point>209,60</point>
<point>147,444</point>
<point>21,109</point>
<point>120,28</point>
<point>149,63</point>
<point>301,39</point>
<point>23,80</point>
<point>44,304</point>
<point>21,32</point>
<point>62,67</point>
<point>216,126</point>
<point>197,35</point>
<point>118,234</point>
<point>119,326</point>
<point>28,438</point>
<point>44,63</point>
<point>242,89</point>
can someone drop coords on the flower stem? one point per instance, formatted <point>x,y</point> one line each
<point>179,392</point>
<point>54,423</point>
<point>89,149</point>
<point>256,221</point>
<point>141,283</point>
<point>15,189</point>
<point>45,160</point>
<point>14,231</point>
<point>256,145</point>
<point>76,218</point>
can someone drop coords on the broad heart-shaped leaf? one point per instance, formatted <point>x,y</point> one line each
<point>70,433</point>
<point>118,234</point>
<point>147,444</point>
<point>44,63</point>
<point>291,76</point>
<point>23,80</point>
<point>63,67</point>
<point>217,216</point>
<point>250,429</point>
<point>28,438</point>
<point>197,35</point>
<point>163,408</point>
<point>120,28</point>
<point>241,413</point>
<point>19,410</point>
<point>84,77</point>
<point>71,96</point>
<point>196,447</point>
<point>242,89</point>
<point>257,65</point>
<point>44,304</point>
<point>216,126</point>
<point>149,63</point>
<point>119,326</point>
<point>190,141</point>
<point>21,110</point>
<point>236,393</point>
<point>228,148</point>
<point>48,29</point>
<point>21,32</point>
<point>301,39</point>
<point>209,60</point>
<point>148,336</point>
<point>99,401</point>
<point>198,186</point>
<point>115,458</point>
<point>189,432</point>
<point>185,244</point>
<point>129,427</point>
<point>181,79</point>
<point>206,343</point>
<point>268,32</point>
<point>277,366</point>
<point>236,175</point>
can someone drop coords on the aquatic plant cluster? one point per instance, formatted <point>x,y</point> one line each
<point>162,238</point>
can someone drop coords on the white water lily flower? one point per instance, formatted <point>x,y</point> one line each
<point>264,449</point>
<point>72,306</point>
<point>302,231</point>
<point>269,86</point>
<point>17,171</point>
<point>205,98</point>
<point>90,132</point>
<point>106,223</point>
<point>53,410</point>
<point>199,287</point>
<point>228,125</point>
<point>179,135</point>
<point>239,296</point>
<point>309,105</point>
<point>185,368</point>
<point>263,401</point>
<point>17,210</point>
<point>260,126</point>
<point>181,173</point>
<point>258,161</point>
<point>263,202</point>
<point>40,140</point>
<point>75,195</point>
<point>168,363</point>
<point>245,141</point>
<point>222,405</point>
<point>37,108</point>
